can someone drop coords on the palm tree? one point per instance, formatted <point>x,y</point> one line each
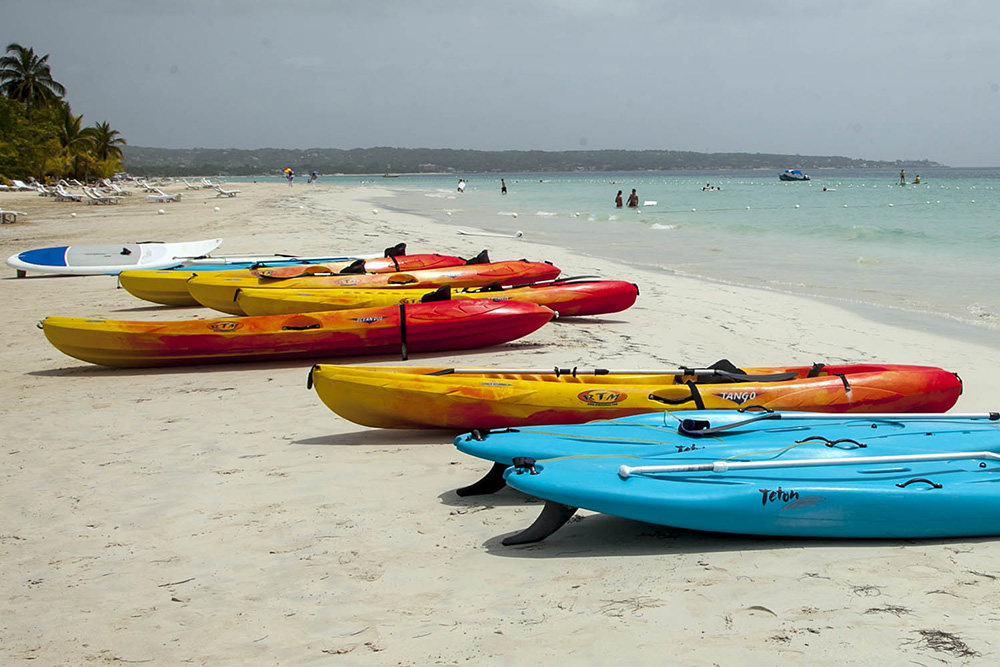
<point>107,142</point>
<point>75,140</point>
<point>26,78</point>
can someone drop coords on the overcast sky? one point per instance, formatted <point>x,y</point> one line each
<point>873,79</point>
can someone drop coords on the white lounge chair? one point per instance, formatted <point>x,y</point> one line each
<point>62,194</point>
<point>162,196</point>
<point>21,185</point>
<point>115,189</point>
<point>225,193</point>
<point>8,217</point>
<point>190,186</point>
<point>206,183</point>
<point>95,197</point>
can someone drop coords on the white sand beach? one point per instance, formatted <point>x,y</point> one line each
<point>222,515</point>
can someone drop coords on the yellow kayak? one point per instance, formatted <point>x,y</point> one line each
<point>478,398</point>
<point>220,292</point>
<point>169,287</point>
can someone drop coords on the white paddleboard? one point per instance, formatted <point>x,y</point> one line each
<point>89,260</point>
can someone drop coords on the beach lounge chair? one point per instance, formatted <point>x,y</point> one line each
<point>206,183</point>
<point>225,193</point>
<point>62,194</point>
<point>20,185</point>
<point>189,185</point>
<point>95,197</point>
<point>115,189</point>
<point>162,196</point>
<point>8,217</point>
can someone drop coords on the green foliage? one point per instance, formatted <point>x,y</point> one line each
<point>39,134</point>
<point>27,78</point>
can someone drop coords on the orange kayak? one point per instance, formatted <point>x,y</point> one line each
<point>387,264</point>
<point>420,327</point>
<point>219,292</point>
<point>489,398</point>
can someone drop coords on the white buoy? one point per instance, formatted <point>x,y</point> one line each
<point>513,215</point>
<point>748,208</point>
<point>845,205</point>
<point>72,215</point>
<point>216,209</point>
<point>796,206</point>
<point>890,205</point>
<point>519,233</point>
<point>160,212</point>
<point>449,213</point>
<point>693,210</point>
<point>374,211</point>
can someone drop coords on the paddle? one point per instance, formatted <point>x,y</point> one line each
<point>725,466</point>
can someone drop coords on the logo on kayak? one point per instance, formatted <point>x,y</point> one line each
<point>602,397</point>
<point>368,320</point>
<point>775,496</point>
<point>225,325</point>
<point>738,397</point>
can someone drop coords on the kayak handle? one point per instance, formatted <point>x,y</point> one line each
<point>832,443</point>
<point>916,480</point>
<point>290,327</point>
<point>524,464</point>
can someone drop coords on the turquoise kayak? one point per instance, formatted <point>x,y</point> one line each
<point>912,477</point>
<point>714,432</point>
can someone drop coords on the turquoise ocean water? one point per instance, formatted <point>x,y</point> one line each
<point>921,255</point>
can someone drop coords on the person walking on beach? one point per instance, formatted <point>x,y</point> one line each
<point>618,199</point>
<point>503,187</point>
<point>633,199</point>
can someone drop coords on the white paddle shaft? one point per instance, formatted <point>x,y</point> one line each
<point>725,466</point>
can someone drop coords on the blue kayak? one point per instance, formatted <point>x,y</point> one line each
<point>711,431</point>
<point>919,477</point>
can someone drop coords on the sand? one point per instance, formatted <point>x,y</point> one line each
<point>222,515</point>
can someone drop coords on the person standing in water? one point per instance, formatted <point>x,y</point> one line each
<point>503,187</point>
<point>633,199</point>
<point>618,199</point>
<point>902,177</point>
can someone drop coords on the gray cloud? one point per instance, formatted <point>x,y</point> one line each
<point>878,79</point>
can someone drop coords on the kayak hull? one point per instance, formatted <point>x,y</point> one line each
<point>434,397</point>
<point>430,327</point>
<point>951,497</point>
<point>169,287</point>
<point>219,292</point>
<point>568,299</point>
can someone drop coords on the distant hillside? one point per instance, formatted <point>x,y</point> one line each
<point>142,161</point>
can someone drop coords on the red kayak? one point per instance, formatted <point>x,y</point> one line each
<point>573,296</point>
<point>388,264</point>
<point>419,327</point>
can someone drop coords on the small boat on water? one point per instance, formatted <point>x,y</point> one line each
<point>785,474</point>
<point>491,398</point>
<point>793,175</point>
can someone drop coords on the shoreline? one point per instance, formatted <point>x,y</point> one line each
<point>222,515</point>
<point>928,321</point>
